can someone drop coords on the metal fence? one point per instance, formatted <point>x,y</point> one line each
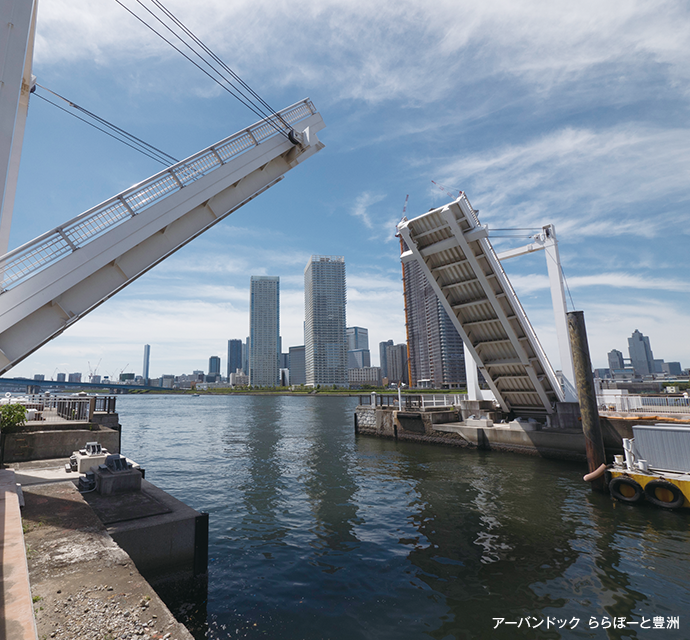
<point>53,408</point>
<point>412,402</point>
<point>645,404</point>
<point>23,262</point>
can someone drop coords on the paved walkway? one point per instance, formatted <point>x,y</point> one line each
<point>16,607</point>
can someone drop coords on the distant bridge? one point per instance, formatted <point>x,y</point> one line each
<point>31,386</point>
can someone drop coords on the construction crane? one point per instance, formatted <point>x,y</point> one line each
<point>121,372</point>
<point>448,192</point>
<point>93,372</point>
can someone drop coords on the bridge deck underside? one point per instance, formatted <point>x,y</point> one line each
<point>457,257</point>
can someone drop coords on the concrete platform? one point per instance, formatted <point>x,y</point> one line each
<point>16,608</point>
<point>165,539</point>
<point>83,584</point>
<point>50,443</point>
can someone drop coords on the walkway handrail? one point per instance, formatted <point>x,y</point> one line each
<point>23,262</point>
<point>644,404</point>
<point>412,401</point>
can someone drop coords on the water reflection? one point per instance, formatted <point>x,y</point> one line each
<point>318,533</point>
<point>261,490</point>
<point>329,484</point>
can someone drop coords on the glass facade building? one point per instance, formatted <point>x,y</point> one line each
<point>235,360</point>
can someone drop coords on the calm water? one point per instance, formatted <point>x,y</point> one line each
<point>318,533</point>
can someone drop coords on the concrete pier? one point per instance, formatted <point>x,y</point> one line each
<point>83,584</point>
<point>481,427</point>
<point>81,546</point>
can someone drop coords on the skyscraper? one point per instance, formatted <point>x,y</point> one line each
<point>325,298</point>
<point>264,331</point>
<point>147,359</point>
<point>435,347</point>
<point>358,355</point>
<point>396,355</point>
<point>214,366</point>
<point>296,362</point>
<point>357,338</point>
<point>383,358</point>
<point>616,362</point>
<point>641,355</point>
<point>358,359</point>
<point>234,356</point>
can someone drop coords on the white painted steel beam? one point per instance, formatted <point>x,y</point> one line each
<point>41,300</point>
<point>560,310</point>
<point>17,30</point>
<point>546,241</point>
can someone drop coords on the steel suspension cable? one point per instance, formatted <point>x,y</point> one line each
<point>231,89</point>
<point>108,133</point>
<point>196,39</point>
<point>149,147</point>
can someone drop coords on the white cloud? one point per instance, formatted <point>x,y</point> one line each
<point>361,207</point>
<point>411,50</point>
<point>586,182</point>
<point>526,284</point>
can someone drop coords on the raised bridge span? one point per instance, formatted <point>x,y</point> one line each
<point>56,279</point>
<point>454,252</point>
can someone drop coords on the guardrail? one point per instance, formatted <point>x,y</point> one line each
<point>644,404</point>
<point>53,408</point>
<point>25,261</point>
<point>411,402</point>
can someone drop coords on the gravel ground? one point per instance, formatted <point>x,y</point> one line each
<point>83,585</point>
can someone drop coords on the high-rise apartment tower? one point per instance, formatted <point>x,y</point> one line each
<point>264,331</point>
<point>325,298</point>
<point>435,347</point>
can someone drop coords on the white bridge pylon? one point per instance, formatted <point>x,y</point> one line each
<point>453,250</point>
<point>49,283</point>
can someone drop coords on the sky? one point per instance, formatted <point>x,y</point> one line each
<point>543,113</point>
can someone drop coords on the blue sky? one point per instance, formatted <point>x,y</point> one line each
<point>575,115</point>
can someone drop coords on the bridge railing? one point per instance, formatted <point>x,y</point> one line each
<point>412,401</point>
<point>32,257</point>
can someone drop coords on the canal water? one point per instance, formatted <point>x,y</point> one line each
<point>318,533</point>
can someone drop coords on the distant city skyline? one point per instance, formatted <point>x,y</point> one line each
<point>641,361</point>
<point>512,104</point>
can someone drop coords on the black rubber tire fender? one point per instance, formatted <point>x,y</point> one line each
<point>650,493</point>
<point>619,481</point>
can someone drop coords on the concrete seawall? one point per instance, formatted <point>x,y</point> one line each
<point>454,427</point>
<point>50,440</point>
<point>73,538</point>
